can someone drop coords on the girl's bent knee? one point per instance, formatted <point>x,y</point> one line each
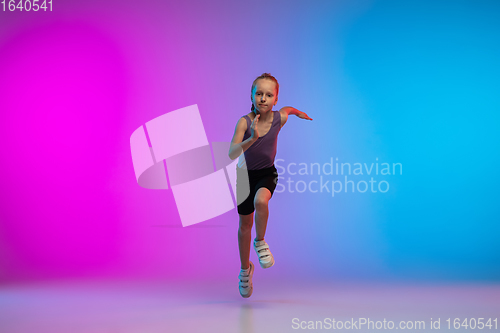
<point>245,227</point>
<point>261,204</point>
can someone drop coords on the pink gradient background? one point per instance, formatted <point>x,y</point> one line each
<point>76,82</point>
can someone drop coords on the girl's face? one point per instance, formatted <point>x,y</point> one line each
<point>264,95</point>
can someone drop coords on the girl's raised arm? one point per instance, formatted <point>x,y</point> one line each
<point>287,110</point>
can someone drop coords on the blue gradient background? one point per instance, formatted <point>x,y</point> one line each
<point>410,82</point>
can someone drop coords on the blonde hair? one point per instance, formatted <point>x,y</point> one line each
<point>263,76</point>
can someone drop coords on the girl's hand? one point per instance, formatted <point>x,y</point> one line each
<point>303,115</point>
<point>253,128</point>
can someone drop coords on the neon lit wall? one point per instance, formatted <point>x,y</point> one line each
<point>413,83</point>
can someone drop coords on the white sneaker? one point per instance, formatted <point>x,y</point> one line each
<point>266,258</point>
<point>246,286</point>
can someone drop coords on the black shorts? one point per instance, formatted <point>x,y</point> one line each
<point>267,178</point>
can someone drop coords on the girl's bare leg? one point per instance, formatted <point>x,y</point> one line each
<point>245,238</point>
<point>261,202</point>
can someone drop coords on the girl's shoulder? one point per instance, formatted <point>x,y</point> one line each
<point>246,119</point>
<point>243,122</point>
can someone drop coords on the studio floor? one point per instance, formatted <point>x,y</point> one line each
<point>98,306</point>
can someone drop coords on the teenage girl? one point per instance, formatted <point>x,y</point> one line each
<point>256,136</point>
